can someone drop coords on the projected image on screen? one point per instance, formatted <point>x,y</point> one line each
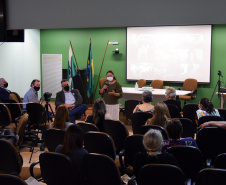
<point>171,53</point>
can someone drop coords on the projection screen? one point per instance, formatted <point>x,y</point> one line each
<point>169,53</point>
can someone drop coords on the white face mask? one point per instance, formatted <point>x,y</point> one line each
<point>110,78</point>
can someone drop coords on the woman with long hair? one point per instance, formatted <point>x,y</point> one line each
<point>62,118</point>
<point>161,115</point>
<point>99,114</point>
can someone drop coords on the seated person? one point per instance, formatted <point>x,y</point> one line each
<point>4,92</point>
<point>171,98</point>
<point>174,129</point>
<point>160,115</point>
<point>220,124</point>
<point>73,147</point>
<point>146,106</point>
<point>206,108</point>
<point>62,118</point>
<point>98,115</point>
<point>153,143</point>
<point>71,99</point>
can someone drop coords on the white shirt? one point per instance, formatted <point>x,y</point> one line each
<point>69,98</point>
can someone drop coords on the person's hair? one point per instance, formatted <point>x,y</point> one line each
<point>174,129</point>
<point>171,92</point>
<point>147,96</point>
<point>207,105</point>
<point>99,110</point>
<point>110,71</point>
<point>64,80</point>
<point>161,115</point>
<point>73,139</point>
<point>33,82</point>
<point>153,141</point>
<point>61,117</point>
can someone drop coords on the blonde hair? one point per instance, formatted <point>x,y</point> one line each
<point>61,117</point>
<point>171,92</point>
<point>161,115</point>
<point>153,142</point>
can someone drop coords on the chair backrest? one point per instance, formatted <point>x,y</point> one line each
<point>211,142</point>
<point>157,84</point>
<point>138,120</point>
<point>146,128</point>
<point>5,116</point>
<point>220,161</point>
<point>100,142</point>
<point>141,83</point>
<point>189,158</point>
<point>15,109</point>
<point>156,174</point>
<point>100,169</point>
<point>6,179</point>
<point>10,161</point>
<point>188,127</point>
<point>189,111</point>
<point>190,84</point>
<point>15,96</point>
<point>118,131</point>
<point>210,176</point>
<point>174,111</point>
<point>209,118</point>
<point>222,112</point>
<point>57,169</point>
<point>87,127</point>
<point>129,107</point>
<point>21,127</point>
<point>102,80</point>
<point>53,137</point>
<point>35,113</point>
<point>132,145</point>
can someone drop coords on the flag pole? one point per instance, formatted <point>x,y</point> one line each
<point>100,69</point>
<point>83,87</point>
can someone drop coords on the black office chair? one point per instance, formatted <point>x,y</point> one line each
<point>156,174</point>
<point>129,107</point>
<point>52,138</point>
<point>210,176</point>
<point>138,120</point>
<point>189,158</point>
<point>5,118</point>
<point>174,111</point>
<point>222,113</point>
<point>6,179</point>
<point>220,161</point>
<point>100,169</point>
<point>211,142</point>
<point>146,128</point>
<point>57,169</point>
<point>10,160</point>
<point>188,127</point>
<point>87,127</point>
<point>209,118</point>
<point>118,132</point>
<point>99,142</point>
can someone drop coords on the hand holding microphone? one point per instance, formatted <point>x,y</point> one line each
<point>106,84</point>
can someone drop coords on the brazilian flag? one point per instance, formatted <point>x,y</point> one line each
<point>90,73</point>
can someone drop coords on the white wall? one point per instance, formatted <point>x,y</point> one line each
<point>20,62</point>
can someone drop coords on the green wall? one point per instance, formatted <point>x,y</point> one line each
<point>56,41</point>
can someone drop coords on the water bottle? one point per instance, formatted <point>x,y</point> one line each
<point>136,86</point>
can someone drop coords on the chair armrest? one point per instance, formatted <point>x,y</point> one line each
<point>194,93</point>
<point>32,167</point>
<point>121,153</point>
<point>17,119</point>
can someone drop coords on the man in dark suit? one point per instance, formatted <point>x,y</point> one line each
<point>71,99</point>
<point>4,92</point>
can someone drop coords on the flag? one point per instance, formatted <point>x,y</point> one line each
<point>71,72</point>
<point>90,73</point>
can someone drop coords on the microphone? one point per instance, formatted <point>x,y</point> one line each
<point>106,83</point>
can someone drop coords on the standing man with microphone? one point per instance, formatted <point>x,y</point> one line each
<point>111,92</point>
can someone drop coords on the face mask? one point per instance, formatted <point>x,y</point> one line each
<point>6,85</point>
<point>36,88</point>
<point>110,78</point>
<point>66,88</point>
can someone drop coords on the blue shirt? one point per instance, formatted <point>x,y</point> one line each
<point>69,98</point>
<point>30,96</point>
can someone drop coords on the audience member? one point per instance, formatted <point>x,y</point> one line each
<point>174,129</point>
<point>206,108</point>
<point>32,94</point>
<point>160,115</point>
<point>98,115</point>
<point>4,92</point>
<point>171,98</point>
<point>146,106</point>
<point>71,99</point>
<point>111,91</point>
<point>153,143</point>
<point>62,118</point>
<point>220,124</point>
<point>73,147</point>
